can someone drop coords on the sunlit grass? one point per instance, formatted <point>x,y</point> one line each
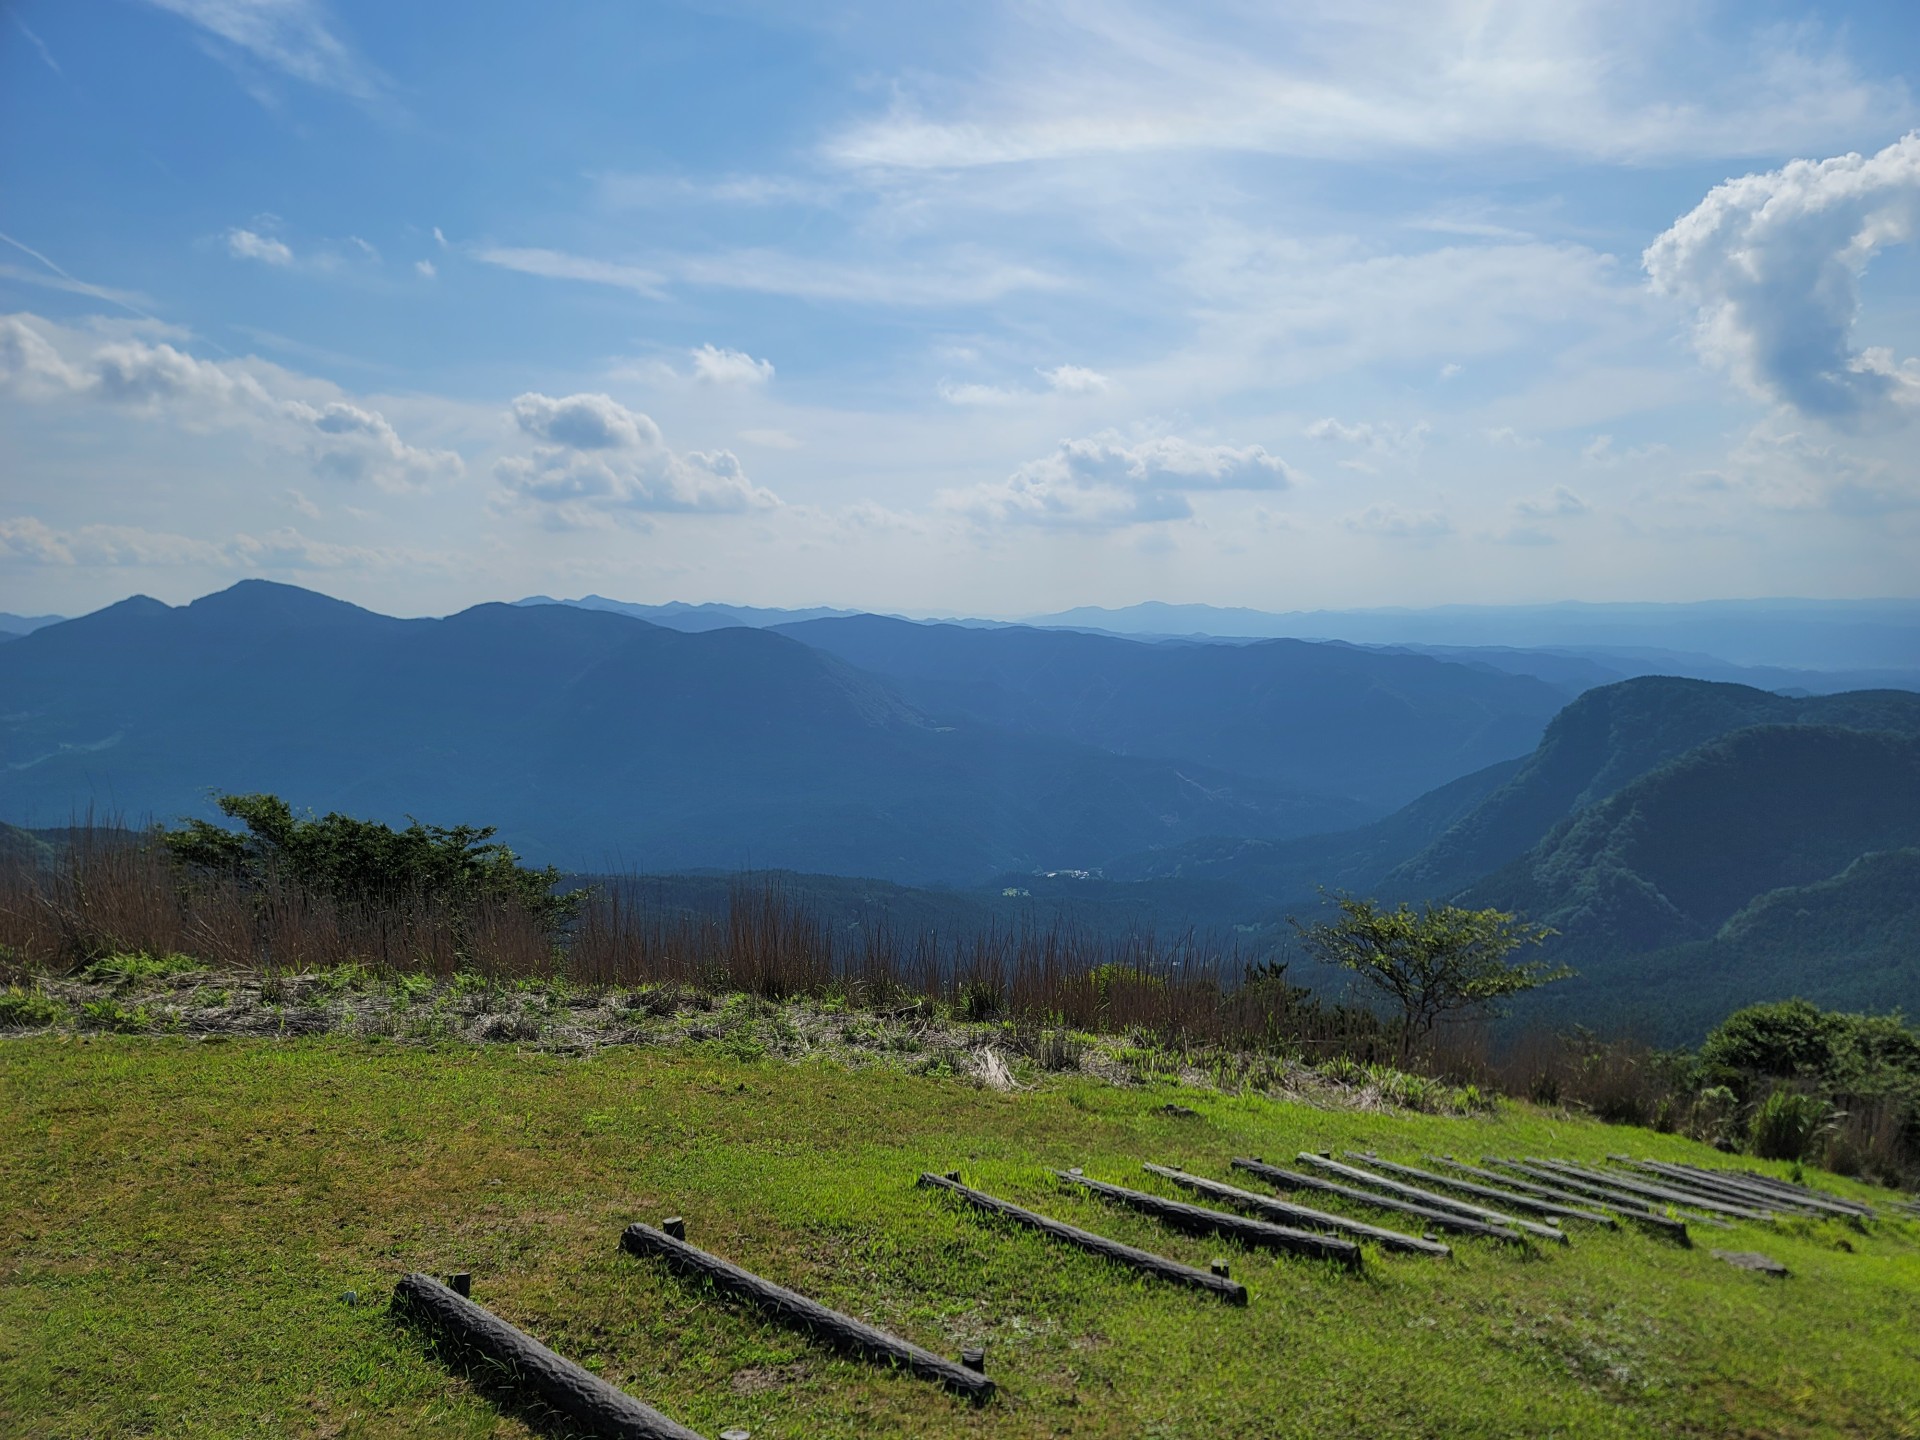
<point>182,1220</point>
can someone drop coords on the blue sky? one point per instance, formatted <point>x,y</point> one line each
<point>980,308</point>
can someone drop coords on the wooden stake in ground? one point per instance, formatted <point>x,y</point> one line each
<point>1198,1220</point>
<point>1158,1266</point>
<point>521,1364</point>
<point>1428,1197</point>
<point>843,1332</point>
<point>1285,1210</point>
<point>1449,1220</point>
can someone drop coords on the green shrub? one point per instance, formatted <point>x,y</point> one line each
<point>363,862</point>
<point>1786,1124</point>
<point>28,1008</point>
<point>130,968</point>
<point>112,1015</point>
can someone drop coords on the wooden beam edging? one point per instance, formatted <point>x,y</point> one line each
<point>1623,1200</point>
<point>1788,1186</point>
<point>1198,1220</point>
<point>1450,1220</point>
<point>1636,1211</point>
<point>1487,1192</point>
<point>1302,1214</point>
<point>1429,1197</point>
<point>1657,1192</point>
<point>473,1332</point>
<point>1767,1185</point>
<point>1145,1261</point>
<point>843,1332</point>
<point>1725,1190</point>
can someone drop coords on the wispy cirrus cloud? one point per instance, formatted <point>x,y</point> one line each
<point>1594,79</point>
<point>293,37</point>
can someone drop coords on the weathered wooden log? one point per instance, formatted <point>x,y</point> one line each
<point>1789,1187</point>
<point>1533,1205</point>
<point>516,1361</point>
<point>1719,1189</point>
<point>1430,1197</point>
<point>1605,1194</point>
<point>1665,1226</point>
<point>1145,1261</point>
<point>1198,1220</point>
<point>1451,1221</point>
<point>1670,1193</point>
<point>1768,1185</point>
<point>1281,1210</point>
<point>843,1332</point>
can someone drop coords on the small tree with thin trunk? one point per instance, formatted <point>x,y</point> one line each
<point>1433,962</point>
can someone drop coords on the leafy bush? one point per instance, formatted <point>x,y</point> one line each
<point>123,970</point>
<point>1787,1123</point>
<point>27,1008</point>
<point>112,1015</point>
<point>366,863</point>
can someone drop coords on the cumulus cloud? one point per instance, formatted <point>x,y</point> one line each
<point>601,458</point>
<point>729,367</point>
<point>1771,263</point>
<point>1395,523</point>
<point>974,394</point>
<point>249,245</point>
<point>1103,482</point>
<point>163,382</point>
<point>425,268</point>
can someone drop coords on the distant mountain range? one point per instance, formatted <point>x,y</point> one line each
<point>1697,844</point>
<point>677,615</point>
<point>595,739</point>
<point>1797,634</point>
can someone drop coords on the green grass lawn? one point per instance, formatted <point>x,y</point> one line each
<point>180,1222</point>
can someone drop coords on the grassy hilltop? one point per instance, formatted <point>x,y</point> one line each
<point>184,1218</point>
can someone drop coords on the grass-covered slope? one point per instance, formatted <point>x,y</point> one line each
<point>184,1219</point>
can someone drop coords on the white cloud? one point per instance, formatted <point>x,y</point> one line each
<point>603,458</point>
<point>729,367</point>
<point>248,245</point>
<point>439,238</point>
<point>960,278</point>
<point>1384,438</point>
<point>425,268</point>
<point>1783,468</point>
<point>1597,79</point>
<point>291,36</point>
<point>26,540</point>
<point>1075,380</point>
<point>1772,262</point>
<point>557,265</point>
<point>162,382</point>
<point>1396,523</point>
<point>973,394</point>
<point>1104,482</point>
<point>301,505</point>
